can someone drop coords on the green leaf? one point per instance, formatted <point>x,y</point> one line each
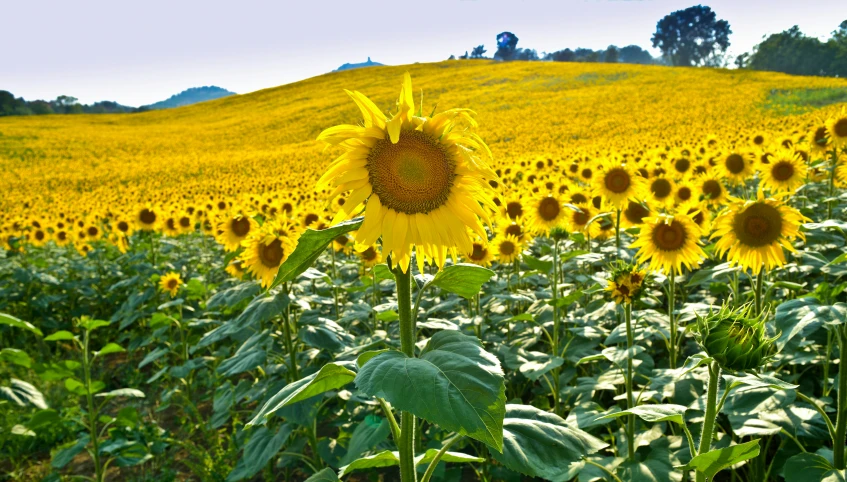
<point>60,336</point>
<point>463,279</point>
<point>109,348</point>
<point>654,413</point>
<point>325,475</point>
<point>368,434</point>
<point>24,325</point>
<point>714,461</point>
<point>364,357</point>
<point>91,325</point>
<point>695,361</point>
<point>63,456</point>
<point>260,449</point>
<point>388,458</point>
<point>455,384</point>
<point>43,419</point>
<point>309,248</point>
<point>331,376</point>
<point>806,467</point>
<point>233,296</point>
<point>759,381</point>
<point>23,431</point>
<point>18,357</point>
<point>122,392</point>
<point>382,271</point>
<point>541,444</point>
<point>536,264</point>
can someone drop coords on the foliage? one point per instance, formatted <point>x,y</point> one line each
<point>693,36</point>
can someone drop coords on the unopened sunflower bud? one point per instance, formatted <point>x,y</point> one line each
<point>736,339</point>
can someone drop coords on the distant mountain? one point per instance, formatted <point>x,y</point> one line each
<point>369,63</point>
<point>190,96</point>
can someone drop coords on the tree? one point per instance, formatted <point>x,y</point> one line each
<point>611,55</point>
<point>792,52</point>
<point>566,55</point>
<point>633,54</point>
<point>507,44</point>
<point>478,52</point>
<point>693,36</point>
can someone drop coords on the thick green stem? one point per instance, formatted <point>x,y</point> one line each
<point>630,396</point>
<point>618,234</point>
<point>711,414</point>
<point>289,346</point>
<point>672,318</point>
<point>407,346</point>
<point>759,284</point>
<point>841,420</point>
<point>92,413</point>
<point>831,184</point>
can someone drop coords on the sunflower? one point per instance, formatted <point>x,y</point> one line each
<point>184,222</point>
<point>421,178</point>
<point>785,172</point>
<point>236,268</point>
<point>480,254</point>
<point>737,166</point>
<point>170,283</point>
<point>820,139</point>
<point>119,241</point>
<point>370,255</point>
<point>38,237</point>
<point>578,219</point>
<point>265,250</point>
<point>146,218</point>
<point>508,248</point>
<point>699,213</point>
<point>170,225</point>
<point>545,212</point>
<point>683,193</point>
<point>669,243</point>
<point>122,226</point>
<point>661,190</point>
<point>232,230</point>
<point>753,233</point>
<point>516,229</point>
<point>634,214</point>
<point>626,283</point>
<point>712,190</point>
<point>342,244</point>
<point>836,127</point>
<point>513,208</point>
<point>618,182</point>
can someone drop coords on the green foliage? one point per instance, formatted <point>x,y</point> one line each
<point>693,36</point>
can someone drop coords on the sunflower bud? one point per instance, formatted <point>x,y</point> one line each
<point>559,233</point>
<point>736,339</point>
<point>627,283</point>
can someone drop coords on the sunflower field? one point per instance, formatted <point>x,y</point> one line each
<point>461,271</point>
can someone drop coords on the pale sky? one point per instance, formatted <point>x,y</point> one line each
<point>140,52</point>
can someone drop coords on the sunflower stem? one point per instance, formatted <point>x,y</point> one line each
<point>759,284</point>
<point>841,419</point>
<point>618,234</point>
<point>711,414</point>
<point>407,346</point>
<point>672,319</point>
<point>630,397</point>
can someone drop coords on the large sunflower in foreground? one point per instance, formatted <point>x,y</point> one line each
<point>265,250</point>
<point>421,179</point>
<point>669,243</point>
<point>618,183</point>
<point>753,233</point>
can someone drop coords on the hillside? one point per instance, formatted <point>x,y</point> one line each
<point>190,96</point>
<point>230,148</point>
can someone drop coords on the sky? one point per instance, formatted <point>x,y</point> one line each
<point>140,52</point>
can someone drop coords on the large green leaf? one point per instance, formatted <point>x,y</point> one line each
<point>25,325</point>
<point>64,455</point>
<point>18,357</point>
<point>714,461</point>
<point>808,467</point>
<point>388,458</point>
<point>463,279</point>
<point>455,384</point>
<point>325,475</point>
<point>260,449</point>
<point>309,248</point>
<point>232,296</point>
<point>331,376</point>
<point>654,413</point>
<point>542,444</point>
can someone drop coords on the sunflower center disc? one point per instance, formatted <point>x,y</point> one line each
<point>782,171</point>
<point>413,176</point>
<point>661,188</point>
<point>580,218</point>
<point>841,128</point>
<point>684,193</point>
<point>514,209</point>
<point>758,225</point>
<point>240,227</point>
<point>549,209</point>
<point>123,226</point>
<point>514,230</point>
<point>271,255</point>
<point>635,213</point>
<point>682,165</point>
<point>478,251</point>
<point>184,221</point>
<point>735,163</point>
<point>712,189</point>
<point>669,237</point>
<point>147,216</point>
<point>617,181</point>
<point>507,248</point>
<point>369,254</point>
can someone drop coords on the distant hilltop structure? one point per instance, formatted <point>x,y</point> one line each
<point>369,63</point>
